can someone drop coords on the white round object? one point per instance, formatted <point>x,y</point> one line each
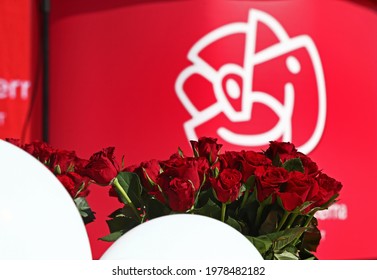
<point>38,218</point>
<point>182,237</point>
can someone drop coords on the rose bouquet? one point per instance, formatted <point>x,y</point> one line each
<point>271,196</point>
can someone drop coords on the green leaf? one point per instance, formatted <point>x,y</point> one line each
<point>285,237</point>
<point>57,169</point>
<point>130,182</point>
<point>81,203</point>
<point>121,223</point>
<point>294,164</point>
<point>156,208</point>
<point>270,222</point>
<point>285,255</point>
<point>216,172</point>
<point>276,161</point>
<point>70,168</point>
<point>249,184</point>
<point>83,207</point>
<point>234,224</point>
<point>112,236</point>
<point>202,198</point>
<point>262,209</point>
<point>325,206</point>
<point>125,211</point>
<point>311,237</point>
<point>81,188</point>
<point>306,255</point>
<point>305,205</point>
<point>210,209</point>
<point>262,243</point>
<point>180,152</point>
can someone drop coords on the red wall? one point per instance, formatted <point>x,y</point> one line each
<point>20,108</point>
<point>114,70</point>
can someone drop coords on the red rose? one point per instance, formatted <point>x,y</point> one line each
<point>203,168</point>
<point>251,161</point>
<point>310,166</point>
<point>285,150</point>
<point>272,176</point>
<point>179,175</point>
<point>79,164</point>
<point>65,160</point>
<point>227,185</point>
<point>180,193</point>
<point>232,160</point>
<point>72,183</point>
<point>68,183</point>
<point>102,167</point>
<point>269,179</point>
<point>328,187</point>
<point>147,171</point>
<point>13,141</point>
<point>40,150</point>
<point>299,188</point>
<point>206,147</point>
<point>183,168</point>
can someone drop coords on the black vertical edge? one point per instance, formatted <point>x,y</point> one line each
<point>46,5</point>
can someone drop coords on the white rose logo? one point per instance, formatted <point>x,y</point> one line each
<point>248,93</point>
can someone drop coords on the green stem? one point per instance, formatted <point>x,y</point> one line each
<point>126,198</point>
<point>244,199</point>
<point>223,210</point>
<point>283,220</point>
<point>259,215</point>
<point>291,220</point>
<point>310,218</point>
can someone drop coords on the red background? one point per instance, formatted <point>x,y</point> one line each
<point>19,64</point>
<point>114,66</point>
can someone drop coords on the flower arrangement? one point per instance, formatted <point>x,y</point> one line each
<point>271,196</point>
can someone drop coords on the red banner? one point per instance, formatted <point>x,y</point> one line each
<point>148,76</point>
<point>19,105</point>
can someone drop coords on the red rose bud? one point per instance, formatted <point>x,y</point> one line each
<point>180,193</point>
<point>227,185</point>
<point>232,160</point>
<point>269,180</point>
<point>73,183</point>
<point>310,167</point>
<point>40,150</point>
<point>13,141</point>
<point>65,160</point>
<point>273,176</point>
<point>79,164</point>
<point>328,187</point>
<point>203,168</point>
<point>206,147</point>
<point>251,160</point>
<point>102,167</point>
<point>299,188</point>
<point>183,168</point>
<point>147,171</point>
<point>285,150</point>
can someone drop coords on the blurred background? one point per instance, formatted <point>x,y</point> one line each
<point>147,76</point>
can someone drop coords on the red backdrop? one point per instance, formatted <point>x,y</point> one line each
<point>20,112</point>
<point>144,76</point>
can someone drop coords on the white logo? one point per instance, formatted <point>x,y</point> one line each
<point>247,95</point>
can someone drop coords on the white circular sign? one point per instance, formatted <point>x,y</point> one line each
<point>182,237</point>
<point>38,218</point>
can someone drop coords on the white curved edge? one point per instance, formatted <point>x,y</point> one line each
<point>38,218</point>
<point>182,237</point>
